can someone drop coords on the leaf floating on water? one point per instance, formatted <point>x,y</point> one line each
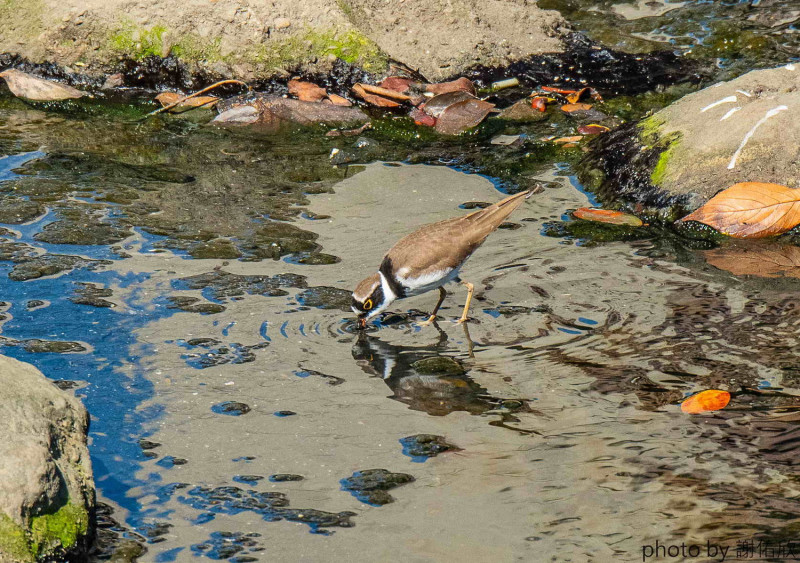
<point>706,401</point>
<point>306,91</point>
<point>766,260</point>
<point>571,108</point>
<point>462,116</point>
<point>459,85</point>
<point>38,89</point>
<point>271,112</point>
<point>592,129</point>
<point>751,210</point>
<point>557,90</point>
<point>169,98</point>
<point>607,216</point>
<point>565,140</point>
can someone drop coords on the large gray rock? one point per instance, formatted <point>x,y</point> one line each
<point>46,490</point>
<point>744,130</point>
<point>255,38</point>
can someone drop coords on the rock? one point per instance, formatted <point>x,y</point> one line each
<point>675,160</point>
<point>370,485</point>
<point>46,490</point>
<point>422,446</point>
<point>282,23</point>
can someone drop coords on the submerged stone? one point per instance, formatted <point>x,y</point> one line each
<point>223,284</point>
<point>424,446</point>
<point>81,228</point>
<point>51,264</point>
<point>370,485</point>
<point>283,477</point>
<point>15,210</point>
<point>439,365</point>
<point>193,305</point>
<point>92,295</point>
<point>323,297</point>
<point>231,408</point>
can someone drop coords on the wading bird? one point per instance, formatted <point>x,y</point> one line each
<point>429,258</point>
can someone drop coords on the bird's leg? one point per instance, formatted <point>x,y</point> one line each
<point>442,295</point>
<point>470,290</point>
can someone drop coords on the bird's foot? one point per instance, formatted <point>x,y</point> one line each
<point>462,320</point>
<point>427,322</point>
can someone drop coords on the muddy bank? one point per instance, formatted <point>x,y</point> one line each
<point>250,39</point>
<point>46,488</point>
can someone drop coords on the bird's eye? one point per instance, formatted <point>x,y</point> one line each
<point>368,304</point>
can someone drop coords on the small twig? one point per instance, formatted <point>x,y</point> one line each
<point>203,91</point>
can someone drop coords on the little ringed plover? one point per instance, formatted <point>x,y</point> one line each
<point>429,258</point>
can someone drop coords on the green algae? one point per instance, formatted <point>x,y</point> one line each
<point>60,530</point>
<point>49,535</point>
<point>13,541</point>
<point>651,135</point>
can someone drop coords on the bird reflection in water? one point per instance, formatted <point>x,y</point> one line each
<point>426,380</point>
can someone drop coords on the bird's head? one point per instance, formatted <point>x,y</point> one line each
<point>370,299</point>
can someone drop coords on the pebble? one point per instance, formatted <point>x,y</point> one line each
<point>282,23</point>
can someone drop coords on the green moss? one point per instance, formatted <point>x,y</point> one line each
<point>194,48</point>
<point>139,42</point>
<point>351,46</point>
<point>651,135</point>
<point>660,170</point>
<point>13,542</point>
<point>62,529</point>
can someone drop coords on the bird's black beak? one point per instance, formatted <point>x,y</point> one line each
<point>362,323</point>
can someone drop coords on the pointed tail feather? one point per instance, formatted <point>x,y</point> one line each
<point>495,214</point>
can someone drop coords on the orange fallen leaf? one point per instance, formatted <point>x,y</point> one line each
<point>575,97</point>
<point>383,92</point>
<point>421,118</point>
<point>569,108</point>
<point>459,85</point>
<point>592,129</point>
<point>167,98</point>
<point>373,99</point>
<point>563,140</point>
<point>751,210</point>
<point>338,100</point>
<point>556,90</point>
<point>463,115</point>
<point>306,91</point>
<point>766,260</point>
<point>607,216</point>
<point>539,103</point>
<point>705,401</point>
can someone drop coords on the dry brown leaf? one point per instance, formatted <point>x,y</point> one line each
<point>396,83</point>
<point>751,210</point>
<point>383,92</point>
<point>557,90</point>
<point>569,108</point>
<point>461,116</point>
<point>421,118</point>
<point>607,216</point>
<point>706,401</point>
<point>306,91</point>
<point>375,100</point>
<point>168,98</point>
<point>458,85</point>
<point>339,100</point>
<point>766,260</point>
<point>436,105</point>
<point>38,89</point>
<point>271,112</point>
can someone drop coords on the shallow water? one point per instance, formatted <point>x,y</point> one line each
<point>224,355</point>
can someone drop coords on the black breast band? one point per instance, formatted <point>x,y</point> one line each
<point>387,270</point>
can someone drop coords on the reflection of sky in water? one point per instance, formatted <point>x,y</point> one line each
<point>115,382</point>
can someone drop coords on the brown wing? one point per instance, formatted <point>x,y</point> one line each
<point>446,244</point>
